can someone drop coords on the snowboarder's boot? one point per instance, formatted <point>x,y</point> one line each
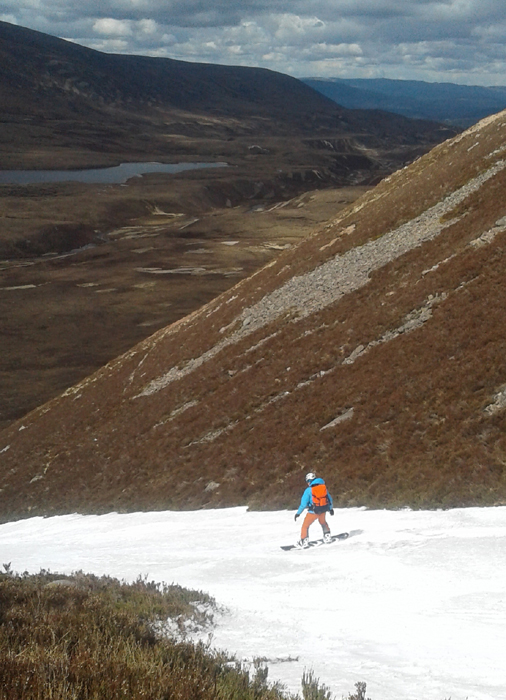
<point>303,544</point>
<point>327,538</point>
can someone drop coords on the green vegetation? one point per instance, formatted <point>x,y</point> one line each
<point>88,638</point>
<point>85,637</point>
<point>312,689</point>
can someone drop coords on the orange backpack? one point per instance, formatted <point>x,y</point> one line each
<point>320,498</point>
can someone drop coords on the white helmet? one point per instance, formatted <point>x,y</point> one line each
<point>310,476</point>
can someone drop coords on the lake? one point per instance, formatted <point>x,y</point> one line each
<point>116,175</point>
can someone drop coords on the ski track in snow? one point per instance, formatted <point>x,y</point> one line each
<point>413,603</point>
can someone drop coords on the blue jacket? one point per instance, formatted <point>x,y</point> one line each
<point>307,498</point>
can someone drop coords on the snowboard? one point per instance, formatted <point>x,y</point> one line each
<point>316,543</point>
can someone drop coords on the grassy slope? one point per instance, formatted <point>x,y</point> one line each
<point>241,423</point>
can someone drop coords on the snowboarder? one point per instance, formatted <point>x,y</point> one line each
<point>318,502</point>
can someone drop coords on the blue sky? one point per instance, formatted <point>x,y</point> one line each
<point>460,41</point>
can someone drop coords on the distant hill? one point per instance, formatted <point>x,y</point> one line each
<point>373,353</point>
<point>130,102</point>
<point>460,105</point>
<point>46,76</point>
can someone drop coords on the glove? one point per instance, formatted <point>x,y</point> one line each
<point>296,516</point>
<point>331,511</point>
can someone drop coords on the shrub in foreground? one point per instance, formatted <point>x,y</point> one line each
<point>89,638</point>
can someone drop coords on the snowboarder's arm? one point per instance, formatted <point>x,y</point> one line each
<point>305,501</point>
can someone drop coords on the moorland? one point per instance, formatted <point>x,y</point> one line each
<point>89,270</point>
<point>372,351</point>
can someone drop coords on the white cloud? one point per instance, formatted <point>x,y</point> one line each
<point>423,39</point>
<point>112,27</point>
<point>147,26</point>
<point>325,49</point>
<point>293,25</point>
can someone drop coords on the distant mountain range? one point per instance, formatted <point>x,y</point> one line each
<point>373,353</point>
<point>460,105</point>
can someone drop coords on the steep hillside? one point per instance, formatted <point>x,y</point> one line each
<point>374,353</point>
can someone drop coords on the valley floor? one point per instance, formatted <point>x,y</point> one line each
<point>65,315</point>
<point>413,603</point>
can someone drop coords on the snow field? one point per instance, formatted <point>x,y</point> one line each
<point>413,603</point>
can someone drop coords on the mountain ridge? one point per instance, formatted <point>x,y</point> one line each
<point>46,78</point>
<point>451,103</point>
<point>372,353</point>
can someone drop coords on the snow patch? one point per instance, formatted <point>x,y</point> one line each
<point>414,320</point>
<point>21,286</point>
<point>413,602</point>
<point>176,412</point>
<point>213,435</point>
<point>499,402</point>
<point>346,415</point>
<point>437,265</point>
<point>488,236</point>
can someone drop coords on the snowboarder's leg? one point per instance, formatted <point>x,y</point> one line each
<point>308,520</point>
<point>323,522</point>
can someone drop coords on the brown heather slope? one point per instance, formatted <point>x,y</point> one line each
<point>374,352</point>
